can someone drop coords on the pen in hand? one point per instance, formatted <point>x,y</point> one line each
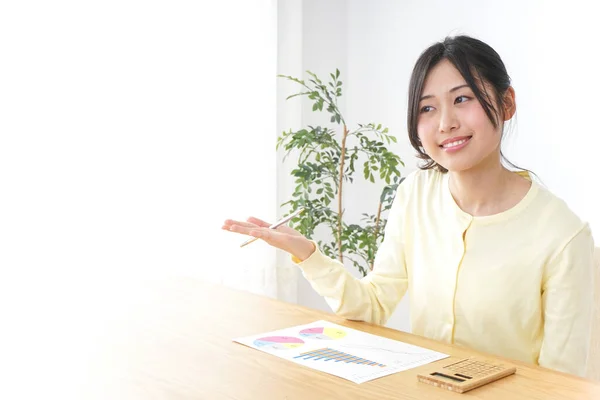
<point>276,225</point>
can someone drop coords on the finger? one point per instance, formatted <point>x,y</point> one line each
<point>230,222</point>
<point>263,224</point>
<point>229,228</point>
<point>259,222</point>
<point>244,230</point>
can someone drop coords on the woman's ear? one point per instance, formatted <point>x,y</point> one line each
<point>510,105</point>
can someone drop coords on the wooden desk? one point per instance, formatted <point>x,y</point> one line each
<point>177,344</point>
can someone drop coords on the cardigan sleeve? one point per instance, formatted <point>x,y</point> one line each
<point>374,297</point>
<point>567,301</point>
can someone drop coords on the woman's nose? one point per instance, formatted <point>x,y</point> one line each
<point>448,121</point>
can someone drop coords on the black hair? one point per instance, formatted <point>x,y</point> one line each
<point>476,61</point>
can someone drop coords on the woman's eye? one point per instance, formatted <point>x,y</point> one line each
<point>426,109</point>
<point>461,99</point>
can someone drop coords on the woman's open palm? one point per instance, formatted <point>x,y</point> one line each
<point>283,237</point>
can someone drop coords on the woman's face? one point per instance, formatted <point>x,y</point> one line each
<point>452,126</point>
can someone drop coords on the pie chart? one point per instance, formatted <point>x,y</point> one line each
<point>278,342</point>
<point>323,333</point>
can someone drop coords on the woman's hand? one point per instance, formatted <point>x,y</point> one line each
<point>283,237</point>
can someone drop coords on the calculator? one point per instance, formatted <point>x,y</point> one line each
<point>466,374</point>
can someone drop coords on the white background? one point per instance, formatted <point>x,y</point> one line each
<point>129,130</point>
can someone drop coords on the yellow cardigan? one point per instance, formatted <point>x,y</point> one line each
<point>517,284</point>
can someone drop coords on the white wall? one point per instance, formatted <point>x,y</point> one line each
<point>548,48</point>
<point>129,130</point>
<point>289,116</point>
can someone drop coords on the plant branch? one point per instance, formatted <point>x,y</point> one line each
<point>342,159</point>
<point>358,262</point>
<point>376,232</point>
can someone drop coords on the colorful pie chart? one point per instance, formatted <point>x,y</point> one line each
<point>278,342</point>
<point>323,333</point>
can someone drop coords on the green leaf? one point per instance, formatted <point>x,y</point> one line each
<point>314,76</point>
<point>297,94</point>
<point>337,73</point>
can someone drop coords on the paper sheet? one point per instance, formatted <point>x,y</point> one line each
<point>348,353</point>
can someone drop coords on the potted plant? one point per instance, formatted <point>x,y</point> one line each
<point>327,161</point>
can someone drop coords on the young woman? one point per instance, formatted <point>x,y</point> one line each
<point>491,259</point>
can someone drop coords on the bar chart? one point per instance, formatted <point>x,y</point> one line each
<point>331,355</point>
